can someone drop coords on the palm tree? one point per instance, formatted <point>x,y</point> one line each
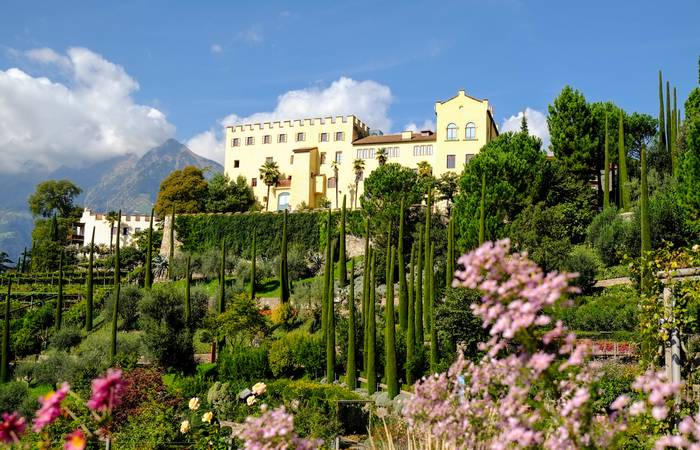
<point>335,166</point>
<point>270,175</point>
<point>111,218</point>
<point>5,262</point>
<point>425,176</point>
<point>358,166</point>
<point>381,156</point>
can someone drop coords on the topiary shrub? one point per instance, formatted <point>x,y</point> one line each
<point>244,363</point>
<point>584,261</point>
<point>296,353</point>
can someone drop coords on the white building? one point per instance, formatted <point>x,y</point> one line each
<point>130,224</point>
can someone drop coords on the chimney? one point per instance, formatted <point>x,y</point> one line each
<point>462,93</point>
<point>406,135</point>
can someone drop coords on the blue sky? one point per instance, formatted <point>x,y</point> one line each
<point>200,62</point>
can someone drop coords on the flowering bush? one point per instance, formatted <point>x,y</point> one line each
<point>274,430</point>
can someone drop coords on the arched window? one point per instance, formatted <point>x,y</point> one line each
<point>451,132</point>
<point>470,131</point>
<point>283,201</point>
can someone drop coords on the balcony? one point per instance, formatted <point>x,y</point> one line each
<point>284,184</point>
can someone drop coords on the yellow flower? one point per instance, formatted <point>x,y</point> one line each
<point>259,388</point>
<point>207,416</point>
<point>194,403</point>
<point>185,426</point>
<point>250,400</point>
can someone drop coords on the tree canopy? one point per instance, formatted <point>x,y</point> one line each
<point>185,190</point>
<point>54,197</point>
<point>226,195</point>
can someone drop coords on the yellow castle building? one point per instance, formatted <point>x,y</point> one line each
<point>305,151</point>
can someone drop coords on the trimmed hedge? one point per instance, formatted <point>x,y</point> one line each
<point>199,232</point>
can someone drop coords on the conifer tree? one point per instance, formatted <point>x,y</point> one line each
<point>251,289</point>
<point>433,331</point>
<point>350,368</point>
<point>606,177</point>
<point>426,263</point>
<point>221,303</point>
<point>366,318</point>
<point>482,210</point>
<point>5,369</point>
<point>117,292</point>
<point>403,294</point>
<point>644,210</point>
<point>89,304</point>
<point>117,247</point>
<point>148,281</point>
<point>342,257</point>
<point>622,174</point>
<point>450,255</point>
<point>59,300</point>
<point>390,374</point>
<point>284,271</point>
<point>669,133</point>
<point>326,276</point>
<point>411,326</point>
<point>365,286</point>
<point>188,283</point>
<point>372,330</point>
<point>662,126</point>
<point>419,292</point>
<point>330,329</point>
<point>171,253</point>
<point>674,137</point>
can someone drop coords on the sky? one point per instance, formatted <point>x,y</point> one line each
<point>82,81</point>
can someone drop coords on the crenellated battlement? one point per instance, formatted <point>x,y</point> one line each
<point>286,124</point>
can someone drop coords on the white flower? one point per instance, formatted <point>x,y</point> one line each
<point>696,248</point>
<point>259,388</point>
<point>250,400</point>
<point>185,426</point>
<point>207,416</point>
<point>194,403</point>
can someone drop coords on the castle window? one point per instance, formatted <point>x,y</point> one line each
<point>236,164</point>
<point>269,159</point>
<point>338,157</point>
<point>331,183</point>
<point>392,152</point>
<point>253,182</point>
<point>450,161</point>
<point>324,137</point>
<point>250,140</point>
<point>451,132</point>
<point>323,157</point>
<point>339,135</point>
<point>235,142</point>
<point>291,159</point>
<point>281,138</point>
<point>267,139</point>
<point>301,137</point>
<point>468,158</point>
<point>470,131</point>
<point>422,150</point>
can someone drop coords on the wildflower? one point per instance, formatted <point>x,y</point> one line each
<point>259,388</point>
<point>207,416</point>
<point>273,430</point>
<point>250,400</point>
<point>11,427</point>
<point>106,391</point>
<point>75,441</point>
<point>185,426</point>
<point>295,404</point>
<point>50,407</point>
<point>620,402</point>
<point>696,248</point>
<point>637,408</point>
<point>194,403</point>
<point>659,412</point>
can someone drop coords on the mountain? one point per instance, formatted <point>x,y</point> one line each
<point>129,182</point>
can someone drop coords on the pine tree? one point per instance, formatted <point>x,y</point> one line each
<point>251,289</point>
<point>426,264</point>
<point>606,178</point>
<point>342,257</point>
<point>89,304</point>
<point>662,126</point>
<point>5,369</point>
<point>221,303</point>
<point>390,374</point>
<point>284,271</point>
<point>330,328</point>
<point>644,209</point>
<point>411,326</point>
<point>403,288</point>
<point>171,253</point>
<point>350,368</point>
<point>148,282</point>
<point>482,210</point>
<point>433,331</point>
<point>419,292</point>
<point>326,275</point>
<point>622,175</point>
<point>371,331</point>
<point>188,283</point>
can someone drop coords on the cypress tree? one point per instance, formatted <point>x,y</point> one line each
<point>662,126</point>
<point>351,369</point>
<point>606,178</point>
<point>371,331</point>
<point>622,175</point>
<point>89,305</point>
<point>365,324</point>
<point>252,268</point>
<point>5,369</point>
<point>411,328</point>
<point>54,229</point>
<point>418,299</point>
<point>433,331</point>
<point>450,255</point>
<point>221,303</point>
<point>330,329</point>
<point>326,276</point>
<point>365,294</point>
<point>426,267</point>
<point>669,134</point>
<point>59,300</point>
<point>390,374</point>
<point>644,209</point>
<point>284,271</point>
<point>342,257</point>
<point>188,282</point>
<point>148,282</point>
<point>117,292</point>
<point>482,210</point>
<point>403,294</point>
<point>674,137</point>
<point>24,261</point>
<point>171,253</point>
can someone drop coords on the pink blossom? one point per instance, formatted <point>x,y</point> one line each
<point>75,440</point>
<point>107,391</point>
<point>637,408</point>
<point>274,430</point>
<point>620,402</point>
<point>11,427</point>
<point>50,407</point>
<point>659,412</point>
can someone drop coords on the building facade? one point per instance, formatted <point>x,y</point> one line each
<point>130,224</point>
<point>308,152</point>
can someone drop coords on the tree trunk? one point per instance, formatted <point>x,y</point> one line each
<point>267,199</point>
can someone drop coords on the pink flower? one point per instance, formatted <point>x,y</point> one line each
<point>50,407</point>
<point>75,441</point>
<point>107,391</point>
<point>620,402</point>
<point>637,408</point>
<point>540,361</point>
<point>659,412</point>
<point>11,427</point>
<point>274,430</point>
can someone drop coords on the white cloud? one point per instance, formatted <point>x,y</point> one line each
<point>367,99</point>
<point>427,125</point>
<point>536,125</point>
<point>252,35</point>
<point>216,49</point>
<point>92,117</point>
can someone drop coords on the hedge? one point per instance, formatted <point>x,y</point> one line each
<point>199,232</point>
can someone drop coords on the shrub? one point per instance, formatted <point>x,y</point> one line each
<point>12,395</point>
<point>244,363</point>
<point>142,386</point>
<point>65,338</point>
<point>616,379</point>
<point>456,325</point>
<point>584,261</point>
<point>129,298</point>
<point>609,236</point>
<point>614,309</point>
<point>33,329</point>
<point>297,352</point>
<point>151,428</point>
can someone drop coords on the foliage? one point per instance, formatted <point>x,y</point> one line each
<point>225,195</point>
<point>54,197</point>
<point>129,298</point>
<point>689,173</point>
<point>456,325</point>
<point>583,261</point>
<point>242,321</point>
<point>185,190</point>
<point>609,235</point>
<point>384,190</point>
<point>542,232</point>
<point>613,309</point>
<point>150,428</point>
<point>296,353</point>
<point>243,363</point>
<point>65,338</point>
